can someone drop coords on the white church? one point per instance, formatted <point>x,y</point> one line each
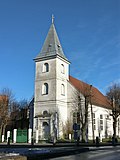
<point>59,97</point>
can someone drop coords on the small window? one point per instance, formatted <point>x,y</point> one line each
<point>45,113</point>
<point>62,89</point>
<point>49,47</point>
<point>101,122</point>
<point>94,122</point>
<point>101,116</point>
<point>93,115</point>
<point>45,88</point>
<point>107,117</point>
<point>62,69</point>
<point>45,67</point>
<point>58,47</point>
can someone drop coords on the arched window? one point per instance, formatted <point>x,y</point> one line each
<point>45,88</point>
<point>45,67</point>
<point>45,113</point>
<point>62,69</point>
<point>62,89</point>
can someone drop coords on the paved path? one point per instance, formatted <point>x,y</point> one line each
<point>112,153</point>
<point>45,151</point>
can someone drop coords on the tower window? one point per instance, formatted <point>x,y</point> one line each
<point>45,67</point>
<point>45,88</point>
<point>62,89</point>
<point>62,69</point>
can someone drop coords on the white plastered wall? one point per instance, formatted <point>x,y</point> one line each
<point>107,122</point>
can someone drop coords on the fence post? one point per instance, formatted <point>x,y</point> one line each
<point>8,135</point>
<point>3,138</point>
<point>36,136</point>
<point>14,135</point>
<point>29,135</point>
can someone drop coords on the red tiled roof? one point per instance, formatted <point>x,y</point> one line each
<point>97,98</point>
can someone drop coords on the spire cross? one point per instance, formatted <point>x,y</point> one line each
<point>52,18</point>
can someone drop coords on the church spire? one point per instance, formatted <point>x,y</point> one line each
<point>51,47</point>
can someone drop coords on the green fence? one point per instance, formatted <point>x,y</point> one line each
<point>22,136</point>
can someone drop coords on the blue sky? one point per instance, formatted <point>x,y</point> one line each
<point>89,32</point>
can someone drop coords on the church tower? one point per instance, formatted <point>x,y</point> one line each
<point>51,77</point>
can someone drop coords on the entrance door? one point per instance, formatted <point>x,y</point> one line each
<point>46,130</point>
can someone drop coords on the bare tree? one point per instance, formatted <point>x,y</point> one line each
<point>67,129</point>
<point>23,104</point>
<point>113,94</point>
<point>22,114</point>
<point>6,100</point>
<point>84,116</point>
<point>11,99</point>
<point>4,116</point>
<point>82,99</point>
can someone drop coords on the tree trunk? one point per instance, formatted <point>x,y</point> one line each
<point>4,126</point>
<point>83,135</point>
<point>114,127</point>
<point>1,131</point>
<point>0,134</point>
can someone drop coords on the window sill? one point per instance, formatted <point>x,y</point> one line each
<point>45,71</point>
<point>44,94</point>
